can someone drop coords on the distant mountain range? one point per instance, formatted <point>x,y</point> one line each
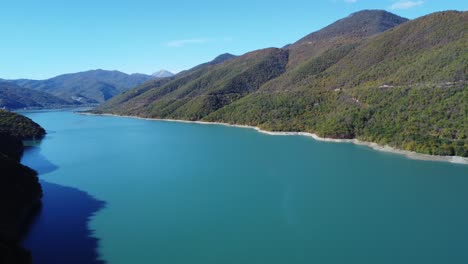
<point>162,74</point>
<point>373,75</point>
<point>89,87</point>
<point>13,96</point>
<point>95,86</point>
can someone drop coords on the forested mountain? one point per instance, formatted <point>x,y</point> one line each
<point>347,31</point>
<point>372,76</point>
<point>220,59</point>
<point>195,93</point>
<point>20,191</point>
<point>14,97</point>
<point>95,86</point>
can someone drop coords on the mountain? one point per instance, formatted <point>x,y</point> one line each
<point>373,76</point>
<point>218,60</point>
<point>162,74</point>
<point>222,58</point>
<point>159,82</point>
<point>205,88</point>
<point>89,87</point>
<point>14,97</point>
<point>20,191</point>
<point>347,31</point>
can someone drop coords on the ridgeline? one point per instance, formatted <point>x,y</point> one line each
<point>373,76</point>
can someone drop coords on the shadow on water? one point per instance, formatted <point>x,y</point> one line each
<point>59,233</point>
<point>37,161</point>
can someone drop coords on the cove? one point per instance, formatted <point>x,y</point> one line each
<point>166,192</point>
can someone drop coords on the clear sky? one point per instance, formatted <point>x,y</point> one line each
<point>42,39</point>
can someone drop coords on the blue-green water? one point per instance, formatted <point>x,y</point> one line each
<point>189,193</point>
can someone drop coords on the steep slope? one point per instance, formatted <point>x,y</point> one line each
<point>222,58</point>
<point>319,50</point>
<point>338,38</point>
<point>205,88</point>
<point>431,49</point>
<point>405,87</point>
<point>20,191</point>
<point>15,97</point>
<point>346,31</point>
<point>94,86</point>
<point>154,85</point>
<point>425,50</point>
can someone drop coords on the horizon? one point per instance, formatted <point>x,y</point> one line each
<point>87,41</point>
<point>297,132</point>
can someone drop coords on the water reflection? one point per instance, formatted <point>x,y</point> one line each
<point>37,161</point>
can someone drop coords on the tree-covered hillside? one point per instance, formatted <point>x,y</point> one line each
<point>428,119</point>
<point>196,93</point>
<point>20,191</point>
<point>349,30</point>
<point>372,76</point>
<point>19,126</point>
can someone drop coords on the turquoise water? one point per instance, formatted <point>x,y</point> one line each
<point>189,193</point>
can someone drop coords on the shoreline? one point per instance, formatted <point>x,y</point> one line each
<point>46,109</point>
<point>375,146</point>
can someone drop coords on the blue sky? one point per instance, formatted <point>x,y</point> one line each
<point>42,39</point>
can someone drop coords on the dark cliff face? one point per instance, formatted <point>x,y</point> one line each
<point>20,191</point>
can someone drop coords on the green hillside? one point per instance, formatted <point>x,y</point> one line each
<point>347,31</point>
<point>19,126</point>
<point>405,86</point>
<point>196,93</point>
<point>20,191</point>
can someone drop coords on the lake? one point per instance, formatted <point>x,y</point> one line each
<point>122,190</point>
